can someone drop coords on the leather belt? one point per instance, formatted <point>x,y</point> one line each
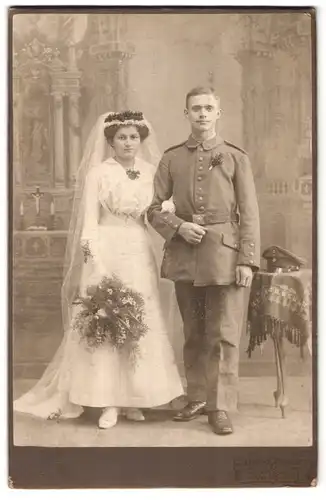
<point>209,218</point>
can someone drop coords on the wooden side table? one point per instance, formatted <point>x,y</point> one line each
<point>280,308</point>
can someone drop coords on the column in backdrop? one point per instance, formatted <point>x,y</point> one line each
<point>106,52</point>
<point>275,105</point>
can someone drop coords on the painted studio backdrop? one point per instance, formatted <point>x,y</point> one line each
<point>68,69</point>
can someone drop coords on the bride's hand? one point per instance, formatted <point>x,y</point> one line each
<point>168,206</point>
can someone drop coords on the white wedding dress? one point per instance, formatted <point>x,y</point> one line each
<point>114,224</point>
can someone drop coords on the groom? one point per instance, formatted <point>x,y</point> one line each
<point>212,248</point>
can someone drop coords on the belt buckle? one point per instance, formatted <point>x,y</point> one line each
<point>198,219</point>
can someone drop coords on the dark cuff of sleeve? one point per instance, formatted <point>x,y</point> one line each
<point>249,255</point>
<point>172,220</point>
<point>172,224</point>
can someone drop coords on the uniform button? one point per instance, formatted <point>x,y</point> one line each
<point>200,197</point>
<point>200,168</point>
<point>201,149</point>
<point>201,158</point>
<point>251,253</point>
<point>199,178</point>
<point>199,189</point>
<point>201,208</point>
<point>252,245</point>
<point>251,261</point>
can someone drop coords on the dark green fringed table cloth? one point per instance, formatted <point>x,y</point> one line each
<point>280,305</point>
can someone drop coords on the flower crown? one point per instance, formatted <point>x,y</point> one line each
<point>125,118</point>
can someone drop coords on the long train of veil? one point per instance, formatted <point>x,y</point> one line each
<point>50,395</point>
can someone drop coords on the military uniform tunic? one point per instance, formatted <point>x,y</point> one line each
<point>210,182</point>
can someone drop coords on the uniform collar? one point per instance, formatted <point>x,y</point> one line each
<point>211,143</point>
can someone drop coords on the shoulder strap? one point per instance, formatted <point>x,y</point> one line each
<point>175,147</point>
<point>235,147</point>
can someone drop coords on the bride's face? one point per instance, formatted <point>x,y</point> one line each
<point>126,142</point>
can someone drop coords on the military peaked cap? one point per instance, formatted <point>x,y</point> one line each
<point>281,260</point>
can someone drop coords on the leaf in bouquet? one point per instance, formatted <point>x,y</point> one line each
<point>89,304</point>
<point>91,290</point>
<point>78,301</point>
<point>98,298</point>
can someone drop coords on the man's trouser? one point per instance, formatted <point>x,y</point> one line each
<point>213,319</point>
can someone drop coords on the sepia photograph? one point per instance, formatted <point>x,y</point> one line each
<point>163,235</point>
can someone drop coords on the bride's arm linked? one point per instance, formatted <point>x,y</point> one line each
<point>89,238</point>
<point>161,213</point>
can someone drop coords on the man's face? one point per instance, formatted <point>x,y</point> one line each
<point>202,112</point>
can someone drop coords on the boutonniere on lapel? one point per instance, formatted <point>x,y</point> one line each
<point>216,161</point>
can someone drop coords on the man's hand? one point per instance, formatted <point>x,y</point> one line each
<point>192,233</point>
<point>243,276</point>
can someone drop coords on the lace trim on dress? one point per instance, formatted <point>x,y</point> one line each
<point>122,197</point>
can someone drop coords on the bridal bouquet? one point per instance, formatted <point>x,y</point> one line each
<point>113,314</point>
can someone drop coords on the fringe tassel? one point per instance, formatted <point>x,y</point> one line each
<point>260,330</point>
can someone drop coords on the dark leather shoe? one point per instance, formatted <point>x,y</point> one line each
<point>190,411</point>
<point>220,422</point>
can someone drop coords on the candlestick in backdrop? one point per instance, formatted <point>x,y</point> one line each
<point>52,216</point>
<point>21,218</point>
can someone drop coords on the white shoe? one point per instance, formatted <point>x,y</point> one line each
<point>134,414</point>
<point>108,418</point>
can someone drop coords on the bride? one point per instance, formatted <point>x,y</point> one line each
<point>108,245</point>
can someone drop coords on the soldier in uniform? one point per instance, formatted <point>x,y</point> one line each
<point>212,247</point>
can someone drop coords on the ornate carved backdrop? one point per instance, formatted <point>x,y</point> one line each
<point>277,94</point>
<point>68,69</point>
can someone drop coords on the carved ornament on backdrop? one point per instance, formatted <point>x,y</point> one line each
<point>273,86</point>
<point>276,74</point>
<point>47,90</point>
<point>41,216</point>
<point>304,187</point>
<point>299,189</point>
<point>263,34</point>
<point>39,114</point>
<point>108,52</point>
<point>31,81</point>
<point>292,37</point>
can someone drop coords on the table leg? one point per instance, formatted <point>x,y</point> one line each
<point>281,399</point>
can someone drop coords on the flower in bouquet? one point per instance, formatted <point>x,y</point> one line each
<point>111,314</point>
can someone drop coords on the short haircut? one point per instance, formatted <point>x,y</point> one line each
<point>201,90</point>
